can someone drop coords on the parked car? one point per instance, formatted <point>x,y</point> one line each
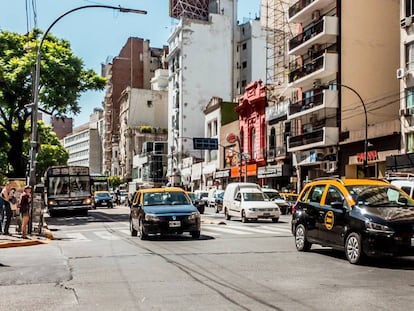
<point>251,204</point>
<point>406,185</point>
<point>200,204</point>
<point>102,199</point>
<point>290,198</point>
<point>123,197</point>
<point>362,217</point>
<point>163,211</point>
<point>201,200</point>
<point>212,195</point>
<point>274,196</point>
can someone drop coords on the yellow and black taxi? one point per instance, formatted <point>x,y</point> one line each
<point>163,211</point>
<point>362,217</point>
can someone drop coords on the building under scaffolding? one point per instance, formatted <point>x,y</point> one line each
<point>194,9</point>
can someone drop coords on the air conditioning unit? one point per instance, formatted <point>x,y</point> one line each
<point>316,83</point>
<point>401,72</point>
<point>406,22</point>
<point>316,15</point>
<point>329,166</point>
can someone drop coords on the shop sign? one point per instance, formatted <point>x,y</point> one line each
<point>371,156</point>
<point>221,174</point>
<point>269,171</point>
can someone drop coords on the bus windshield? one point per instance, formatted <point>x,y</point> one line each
<point>69,186</point>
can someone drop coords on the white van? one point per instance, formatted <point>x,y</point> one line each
<point>407,185</point>
<point>232,189</point>
<point>251,203</point>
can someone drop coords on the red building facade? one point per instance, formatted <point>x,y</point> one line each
<point>252,135</point>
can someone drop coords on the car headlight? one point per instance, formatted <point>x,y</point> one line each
<point>151,217</point>
<point>194,216</point>
<point>252,209</point>
<point>375,227</point>
<point>87,201</point>
<point>277,209</point>
<point>51,202</point>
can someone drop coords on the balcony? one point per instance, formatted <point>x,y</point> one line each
<point>320,67</point>
<point>302,10</point>
<point>323,137</point>
<point>325,31</point>
<point>322,99</point>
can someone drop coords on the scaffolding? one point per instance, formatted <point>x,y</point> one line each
<point>278,31</point>
<point>194,9</point>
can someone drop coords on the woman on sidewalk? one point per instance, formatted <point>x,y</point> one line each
<point>24,205</point>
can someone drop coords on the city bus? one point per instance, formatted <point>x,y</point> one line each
<point>68,188</point>
<point>99,183</point>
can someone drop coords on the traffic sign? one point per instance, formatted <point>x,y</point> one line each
<point>205,143</point>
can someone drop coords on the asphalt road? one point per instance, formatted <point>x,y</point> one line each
<point>94,264</point>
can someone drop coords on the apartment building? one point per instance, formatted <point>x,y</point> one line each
<point>210,55</point>
<point>84,145</point>
<point>134,67</point>
<point>402,161</point>
<point>344,113</point>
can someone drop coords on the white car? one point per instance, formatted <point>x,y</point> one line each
<point>251,204</point>
<point>275,196</point>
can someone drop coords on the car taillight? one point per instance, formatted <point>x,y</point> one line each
<point>293,208</point>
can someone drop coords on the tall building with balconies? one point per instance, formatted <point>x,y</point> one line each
<point>344,113</point>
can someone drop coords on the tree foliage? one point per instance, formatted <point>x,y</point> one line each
<point>62,81</point>
<point>114,181</point>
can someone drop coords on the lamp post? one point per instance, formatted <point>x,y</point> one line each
<point>35,104</point>
<point>365,162</point>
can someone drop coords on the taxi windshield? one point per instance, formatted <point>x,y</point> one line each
<point>379,196</point>
<point>165,198</point>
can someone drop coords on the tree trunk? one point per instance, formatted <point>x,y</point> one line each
<point>16,157</point>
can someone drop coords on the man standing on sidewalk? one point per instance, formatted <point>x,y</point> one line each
<point>24,205</point>
<point>7,207</point>
<point>1,212</point>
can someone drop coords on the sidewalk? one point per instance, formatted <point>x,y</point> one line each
<point>15,239</point>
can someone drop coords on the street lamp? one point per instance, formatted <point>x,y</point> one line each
<point>365,163</point>
<point>35,104</point>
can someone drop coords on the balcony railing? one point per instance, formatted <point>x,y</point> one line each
<point>307,103</point>
<point>299,6</point>
<point>306,35</point>
<point>322,65</point>
<point>320,137</point>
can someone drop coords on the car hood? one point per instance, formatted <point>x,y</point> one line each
<point>280,202</point>
<point>391,214</point>
<point>259,204</point>
<point>170,209</point>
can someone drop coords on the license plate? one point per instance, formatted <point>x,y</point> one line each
<point>266,214</point>
<point>103,203</point>
<point>412,241</point>
<point>174,224</point>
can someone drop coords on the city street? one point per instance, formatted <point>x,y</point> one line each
<point>93,263</point>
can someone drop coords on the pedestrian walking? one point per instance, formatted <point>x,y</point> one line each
<point>14,208</point>
<point>7,207</point>
<point>24,206</point>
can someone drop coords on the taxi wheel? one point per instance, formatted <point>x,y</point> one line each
<point>131,228</point>
<point>353,248</point>
<point>243,217</point>
<point>142,234</point>
<point>300,239</point>
<point>226,213</point>
<point>195,234</point>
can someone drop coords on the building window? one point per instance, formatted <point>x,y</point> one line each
<point>409,97</point>
<point>149,103</point>
<point>409,7</point>
<point>410,142</point>
<point>243,83</point>
<point>253,143</point>
<point>272,138</point>
<point>409,56</point>
<point>244,46</point>
<point>244,64</point>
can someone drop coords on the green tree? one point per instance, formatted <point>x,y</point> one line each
<point>51,150</point>
<point>62,81</point>
<point>114,181</point>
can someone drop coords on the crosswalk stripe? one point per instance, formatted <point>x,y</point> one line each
<point>106,235</point>
<point>125,231</point>
<point>77,236</point>
<point>287,230</point>
<point>226,230</point>
<point>256,230</point>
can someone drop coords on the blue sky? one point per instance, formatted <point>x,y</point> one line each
<point>96,34</point>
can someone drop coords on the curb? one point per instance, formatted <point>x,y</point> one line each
<point>47,234</point>
<point>212,221</point>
